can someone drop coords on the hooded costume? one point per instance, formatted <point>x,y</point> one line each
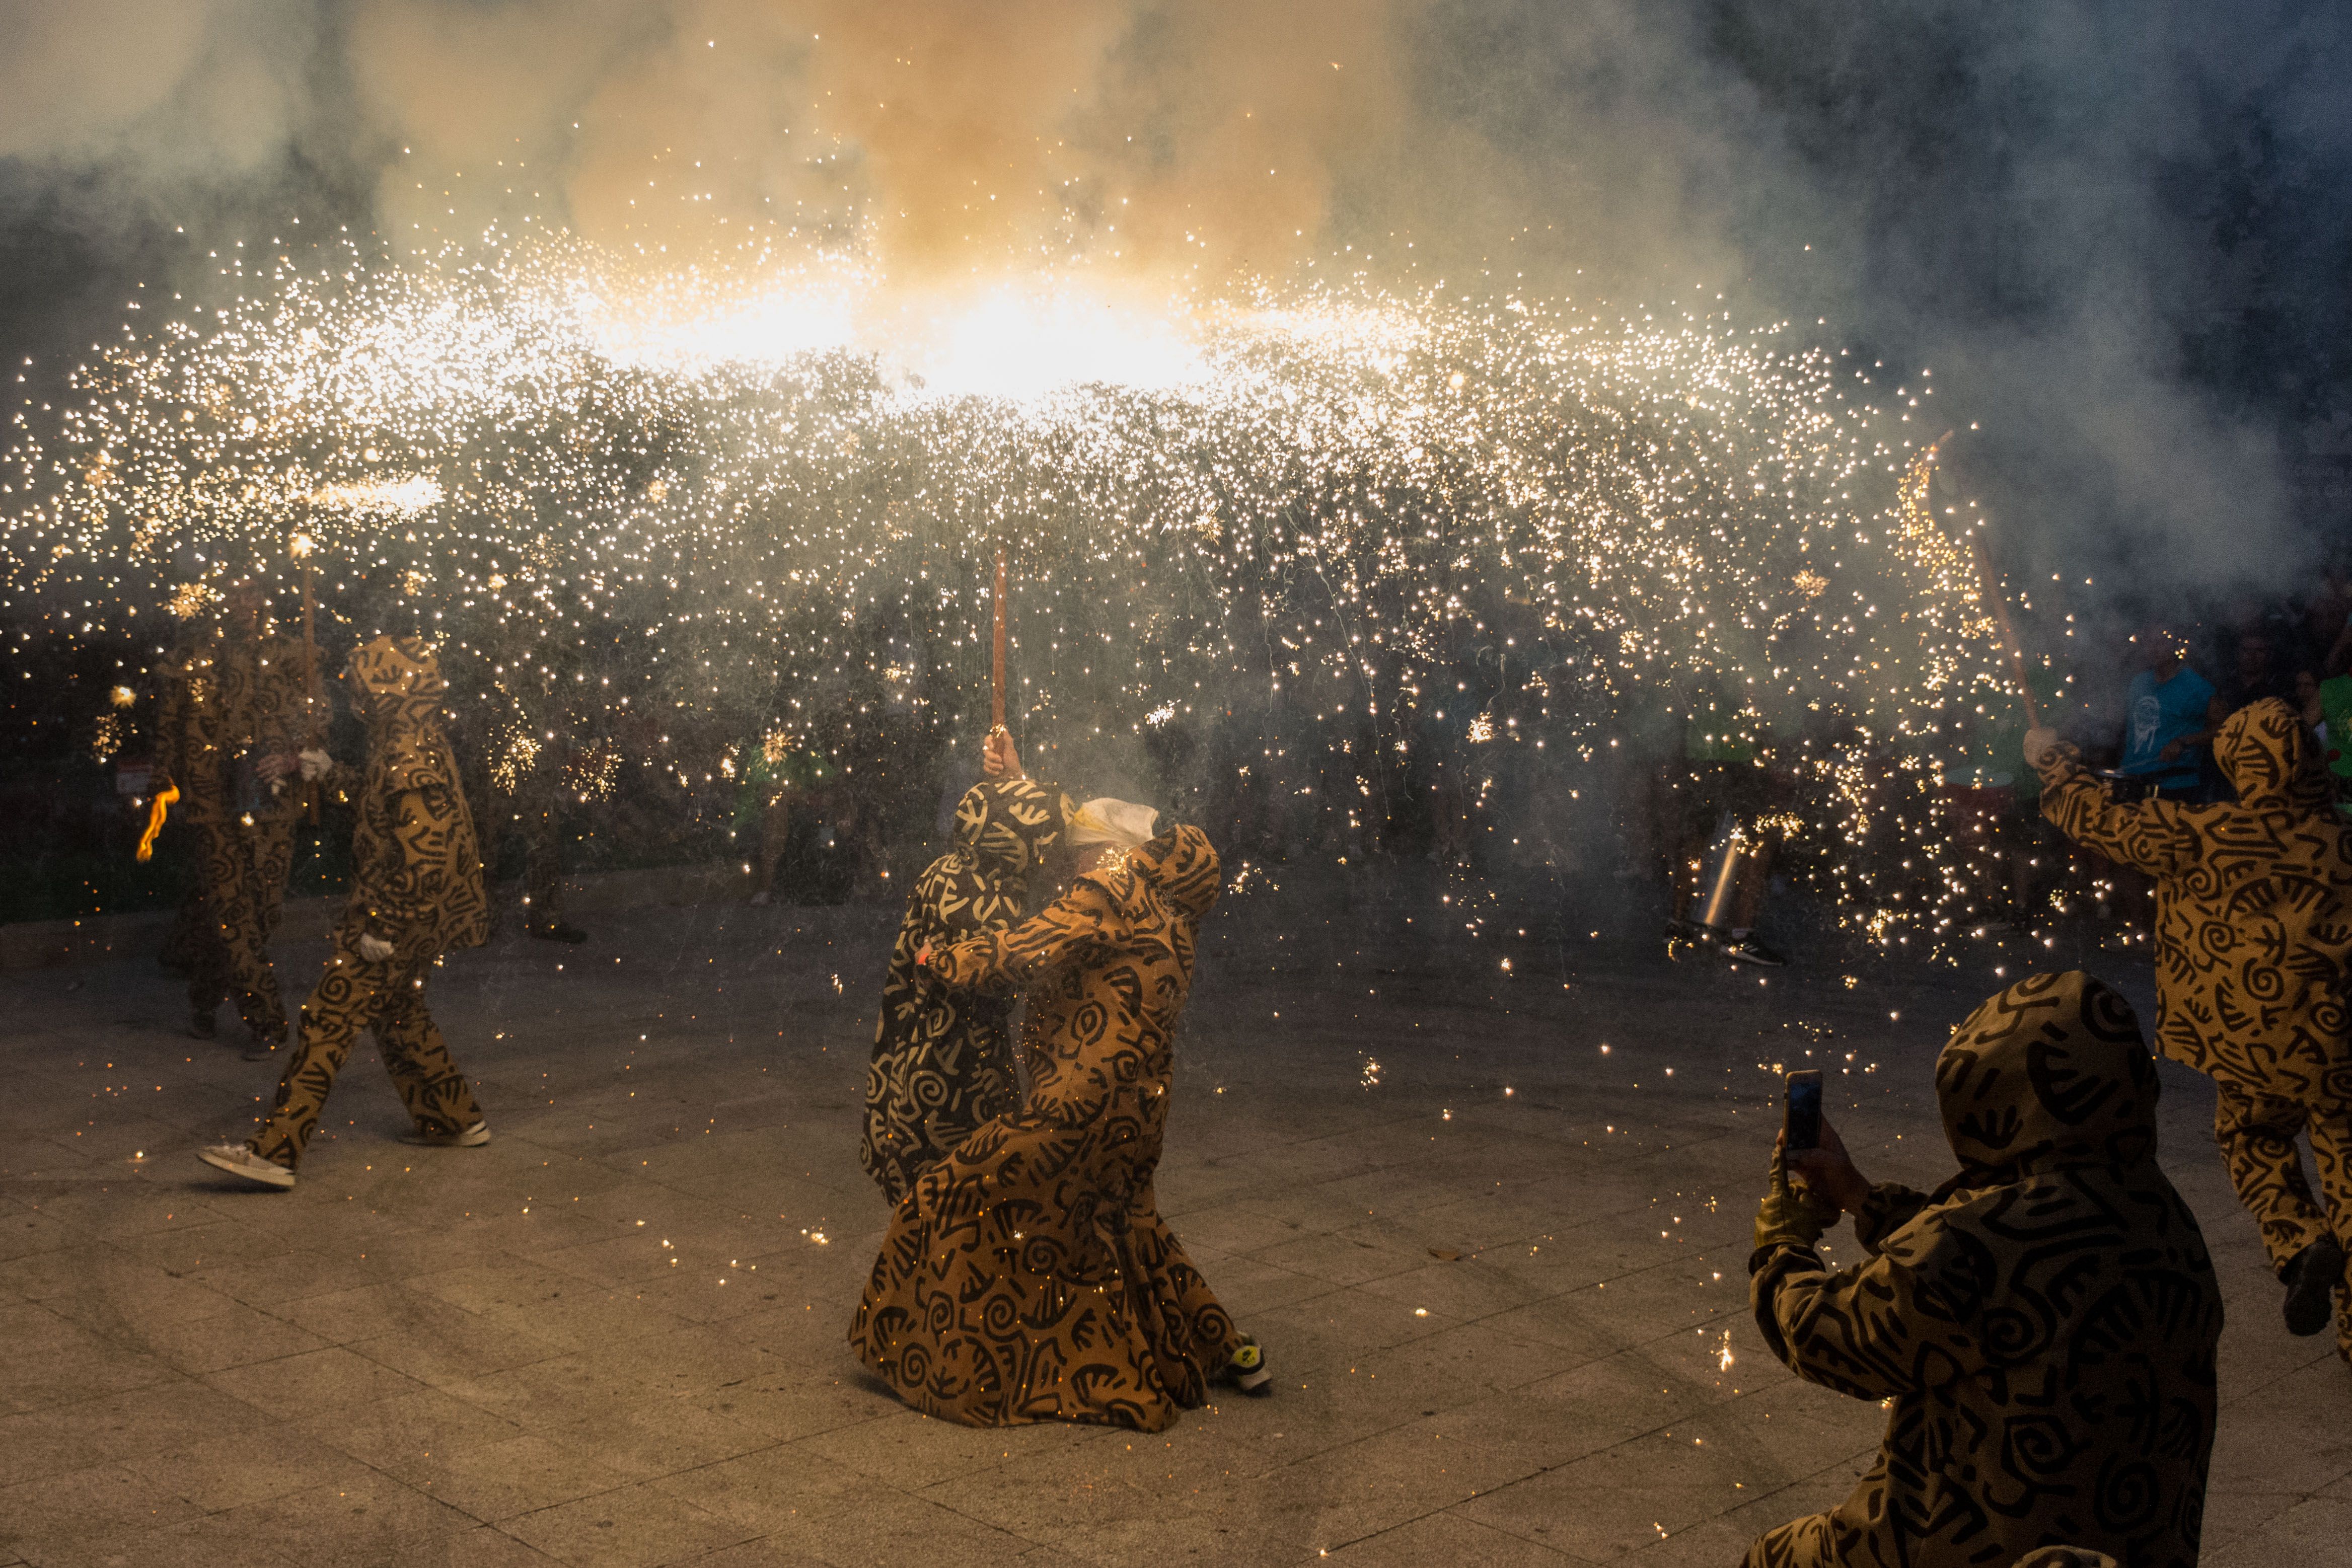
<point>943,1061</point>
<point>2253,926</point>
<point>2042,1326</point>
<point>1028,1276</point>
<point>417,884</point>
<point>224,702</point>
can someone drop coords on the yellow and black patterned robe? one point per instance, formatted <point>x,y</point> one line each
<point>226,701</point>
<point>944,1060</point>
<point>2043,1326</point>
<point>1028,1276</point>
<point>416,877</point>
<point>417,884</point>
<point>2253,930</point>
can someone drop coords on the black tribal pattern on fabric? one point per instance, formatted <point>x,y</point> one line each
<point>233,912</point>
<point>1028,1277</point>
<point>2044,1325</point>
<point>417,884</point>
<point>388,997</point>
<point>942,1059</point>
<point>417,875</point>
<point>2253,931</point>
<point>2253,921</point>
<point>224,702</point>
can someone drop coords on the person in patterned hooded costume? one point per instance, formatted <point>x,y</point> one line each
<point>2042,1326</point>
<point>1028,1277</point>
<point>944,1060</point>
<point>416,891</point>
<point>2253,927</point>
<point>231,695</point>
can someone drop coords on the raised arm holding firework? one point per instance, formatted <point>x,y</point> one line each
<point>2253,930</point>
<point>1028,1276</point>
<point>943,1063</point>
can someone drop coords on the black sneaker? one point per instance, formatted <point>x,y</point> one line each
<point>2311,1277</point>
<point>1750,949</point>
<point>559,932</point>
<point>1247,1370</point>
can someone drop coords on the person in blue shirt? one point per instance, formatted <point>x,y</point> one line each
<point>2171,712</point>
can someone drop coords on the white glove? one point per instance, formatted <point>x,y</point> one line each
<point>316,765</point>
<point>375,949</point>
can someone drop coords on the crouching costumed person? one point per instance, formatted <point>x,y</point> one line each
<point>1028,1276</point>
<point>943,1059</point>
<point>2043,1325</point>
<point>416,891</point>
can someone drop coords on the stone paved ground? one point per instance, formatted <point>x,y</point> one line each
<point>1499,1270</point>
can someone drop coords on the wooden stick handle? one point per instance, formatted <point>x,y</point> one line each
<point>310,688</point>
<point>996,668</point>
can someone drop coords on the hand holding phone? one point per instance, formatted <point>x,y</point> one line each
<point>1802,1124</point>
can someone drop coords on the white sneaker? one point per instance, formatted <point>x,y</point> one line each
<point>240,1161</point>
<point>473,1137</point>
<point>1247,1370</point>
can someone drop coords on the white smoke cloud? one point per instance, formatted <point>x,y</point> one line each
<point>1603,147</point>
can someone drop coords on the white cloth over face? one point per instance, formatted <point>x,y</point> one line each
<point>1104,821</point>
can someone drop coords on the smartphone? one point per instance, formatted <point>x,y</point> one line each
<point>1804,1115</point>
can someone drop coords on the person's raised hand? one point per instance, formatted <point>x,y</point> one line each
<point>274,768</point>
<point>1787,1218</point>
<point>316,764</point>
<point>2041,746</point>
<point>998,758</point>
<point>1828,1173</point>
<point>375,949</point>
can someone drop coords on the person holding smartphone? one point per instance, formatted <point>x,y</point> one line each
<point>2041,1327</point>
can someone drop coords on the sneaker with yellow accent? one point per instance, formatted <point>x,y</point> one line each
<point>244,1163</point>
<point>1247,1370</point>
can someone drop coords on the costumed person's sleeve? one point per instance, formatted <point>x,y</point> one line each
<point>407,898</point>
<point>1889,1208</point>
<point>1002,962</point>
<point>899,982</point>
<point>2152,836</point>
<point>1857,1330</point>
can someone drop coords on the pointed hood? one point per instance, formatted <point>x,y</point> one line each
<point>398,689</point>
<point>1181,866</point>
<point>1007,825</point>
<point>2051,1071</point>
<point>2268,759</point>
<point>397,678</point>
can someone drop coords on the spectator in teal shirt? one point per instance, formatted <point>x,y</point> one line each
<point>2170,714</point>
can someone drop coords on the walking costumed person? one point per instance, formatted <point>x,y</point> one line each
<point>943,1059</point>
<point>232,696</point>
<point>2254,925</point>
<point>416,891</point>
<point>1028,1276</point>
<point>2041,1328</point>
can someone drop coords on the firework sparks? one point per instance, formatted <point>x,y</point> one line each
<point>698,507</point>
